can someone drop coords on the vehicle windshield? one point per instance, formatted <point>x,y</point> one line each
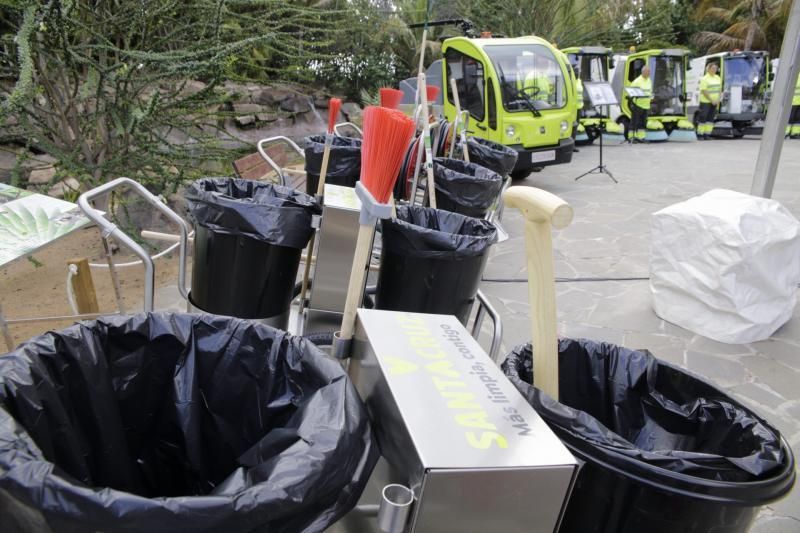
<point>591,68</point>
<point>530,77</point>
<point>745,82</point>
<point>668,85</point>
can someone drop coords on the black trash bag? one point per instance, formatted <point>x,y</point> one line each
<point>494,156</point>
<point>344,161</point>
<point>465,188</point>
<point>270,213</point>
<point>661,450</point>
<point>632,404</point>
<point>432,261</point>
<point>178,423</point>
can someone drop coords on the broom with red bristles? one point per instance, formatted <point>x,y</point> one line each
<point>387,133</point>
<point>390,98</point>
<point>334,104</point>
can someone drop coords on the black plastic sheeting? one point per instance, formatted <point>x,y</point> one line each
<point>465,188</point>
<point>344,161</point>
<point>177,423</point>
<point>434,233</point>
<point>270,213</point>
<point>643,411</point>
<point>494,156</point>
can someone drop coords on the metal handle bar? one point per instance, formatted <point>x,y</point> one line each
<point>269,160</point>
<point>337,126</point>
<point>497,327</point>
<point>110,229</point>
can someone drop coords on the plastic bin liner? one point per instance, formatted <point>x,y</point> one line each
<point>177,423</point>
<point>632,408</point>
<point>344,161</point>
<point>494,156</point>
<point>263,211</point>
<point>433,233</point>
<point>465,188</point>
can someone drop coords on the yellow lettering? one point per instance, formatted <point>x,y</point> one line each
<point>445,368</point>
<point>485,441</point>
<point>475,419</point>
<point>446,384</point>
<point>460,400</point>
<point>424,342</point>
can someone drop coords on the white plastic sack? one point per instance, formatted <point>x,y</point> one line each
<point>725,265</point>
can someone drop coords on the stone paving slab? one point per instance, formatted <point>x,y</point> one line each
<point>609,238</point>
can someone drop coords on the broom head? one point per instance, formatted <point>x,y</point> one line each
<point>387,133</point>
<point>431,91</point>
<point>391,97</point>
<point>333,111</point>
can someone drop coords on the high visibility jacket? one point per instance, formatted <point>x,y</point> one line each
<point>713,86</point>
<point>534,80</point>
<point>796,98</point>
<point>579,92</point>
<point>646,85</point>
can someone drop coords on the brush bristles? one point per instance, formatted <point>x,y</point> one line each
<point>391,97</point>
<point>431,91</point>
<point>333,111</point>
<point>387,133</point>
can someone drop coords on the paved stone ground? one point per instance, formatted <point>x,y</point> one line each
<point>609,238</point>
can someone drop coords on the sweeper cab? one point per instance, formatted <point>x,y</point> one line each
<point>745,79</point>
<point>591,64</point>
<point>519,92</point>
<point>667,117</point>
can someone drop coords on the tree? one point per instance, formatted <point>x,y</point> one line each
<point>746,24</point>
<point>134,88</point>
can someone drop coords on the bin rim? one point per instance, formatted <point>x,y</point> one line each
<point>769,489</point>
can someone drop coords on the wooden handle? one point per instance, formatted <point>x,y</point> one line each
<point>323,171</point>
<point>457,121</point>
<point>541,211</point>
<point>355,287</point>
<point>83,287</point>
<point>426,135</point>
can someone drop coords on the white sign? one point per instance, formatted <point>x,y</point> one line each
<point>542,157</point>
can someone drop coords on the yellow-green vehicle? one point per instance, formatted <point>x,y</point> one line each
<point>518,91</point>
<point>591,65</point>
<point>667,116</point>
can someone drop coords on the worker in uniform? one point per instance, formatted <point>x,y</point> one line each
<point>710,92</point>
<point>793,129</point>
<point>641,105</point>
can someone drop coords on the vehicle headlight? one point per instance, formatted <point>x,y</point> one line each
<point>564,126</point>
<point>511,130</point>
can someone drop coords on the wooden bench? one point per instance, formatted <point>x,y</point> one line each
<point>254,167</point>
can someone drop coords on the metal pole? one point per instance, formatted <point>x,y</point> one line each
<point>781,104</point>
<point>6,333</point>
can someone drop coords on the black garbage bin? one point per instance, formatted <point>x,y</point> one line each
<point>344,162</point>
<point>465,188</point>
<point>432,261</point>
<point>494,156</point>
<point>178,423</point>
<point>663,451</point>
<point>248,241</point>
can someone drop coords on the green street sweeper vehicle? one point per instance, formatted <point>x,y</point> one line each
<point>591,64</point>
<point>519,92</point>
<point>667,117</point>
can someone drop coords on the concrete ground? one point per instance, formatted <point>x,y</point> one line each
<point>609,238</point>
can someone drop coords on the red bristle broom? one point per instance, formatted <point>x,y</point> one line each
<point>334,104</point>
<point>391,97</point>
<point>387,133</point>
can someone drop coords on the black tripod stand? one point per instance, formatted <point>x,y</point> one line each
<point>601,168</point>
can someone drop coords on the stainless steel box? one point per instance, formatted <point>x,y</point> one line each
<point>453,428</point>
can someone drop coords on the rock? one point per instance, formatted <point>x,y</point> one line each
<point>194,87</point>
<point>273,95</point>
<point>296,103</point>
<point>351,111</point>
<point>321,101</point>
<point>62,187</point>
<point>42,175</point>
<point>243,121</point>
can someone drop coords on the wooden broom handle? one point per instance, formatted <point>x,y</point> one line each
<point>541,210</point>
<point>457,121</point>
<point>355,287</point>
